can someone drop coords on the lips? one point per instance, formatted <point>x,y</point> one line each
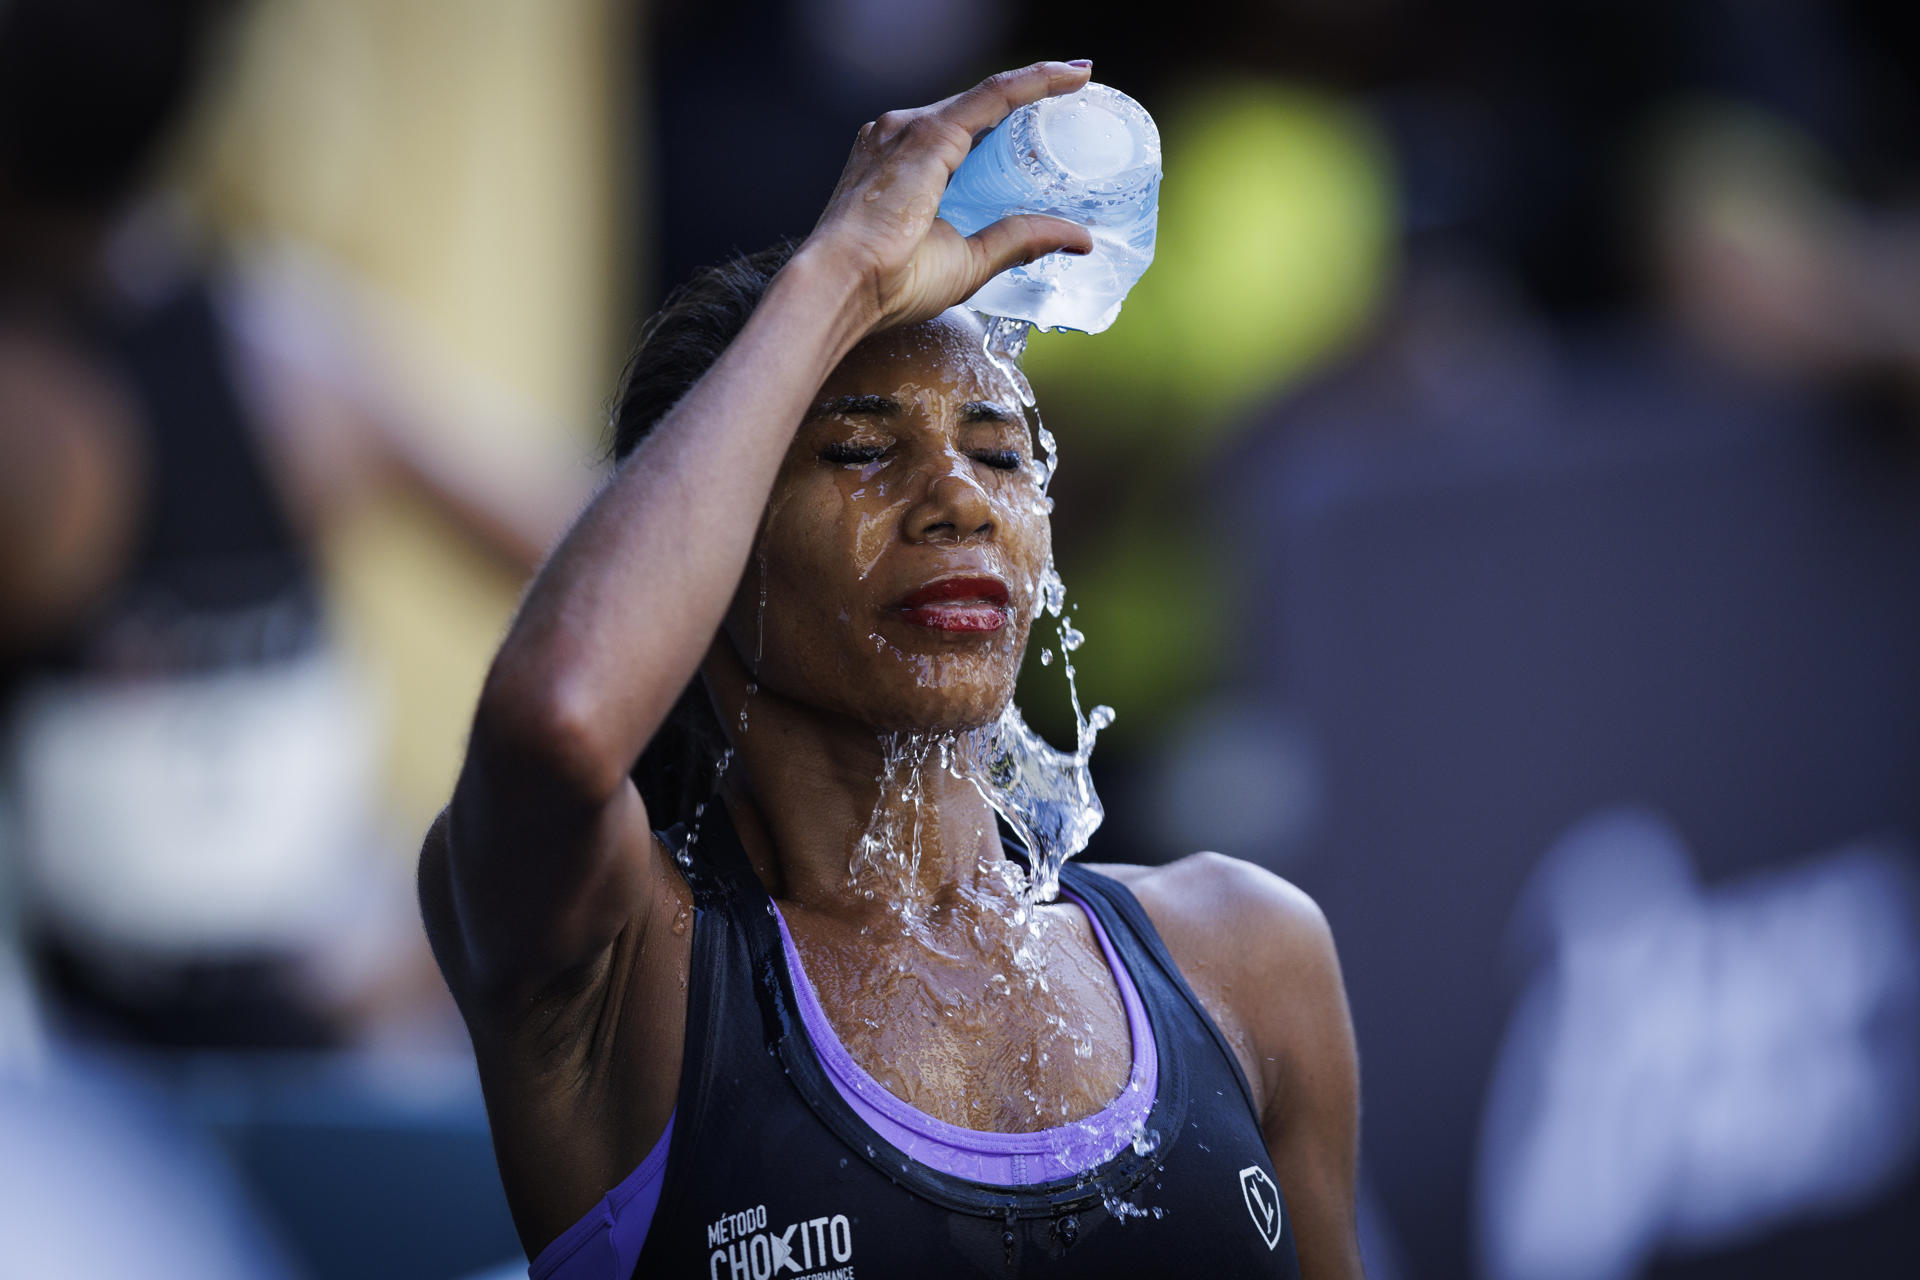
<point>966,603</point>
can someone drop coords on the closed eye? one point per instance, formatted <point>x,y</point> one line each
<point>999,459</point>
<point>842,454</point>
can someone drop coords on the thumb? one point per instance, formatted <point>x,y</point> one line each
<point>1019,239</point>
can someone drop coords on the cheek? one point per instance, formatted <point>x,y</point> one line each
<point>804,599</point>
<point>816,636</point>
<point>870,516</point>
<point>1029,549</point>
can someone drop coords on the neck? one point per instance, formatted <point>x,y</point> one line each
<point>839,818</point>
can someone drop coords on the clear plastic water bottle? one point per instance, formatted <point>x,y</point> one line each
<point>1092,157</point>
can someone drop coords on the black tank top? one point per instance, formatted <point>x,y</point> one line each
<point>772,1174</point>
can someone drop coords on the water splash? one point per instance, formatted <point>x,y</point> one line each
<point>1005,343</point>
<point>1046,796</point>
<point>886,857</point>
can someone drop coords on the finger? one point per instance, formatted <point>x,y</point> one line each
<point>988,103</point>
<point>1019,239</point>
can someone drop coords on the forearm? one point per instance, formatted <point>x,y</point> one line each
<point>618,619</point>
<point>547,839</point>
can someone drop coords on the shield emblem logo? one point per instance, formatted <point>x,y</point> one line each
<point>1263,1202</point>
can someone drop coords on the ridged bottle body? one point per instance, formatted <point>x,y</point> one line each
<point>1092,157</point>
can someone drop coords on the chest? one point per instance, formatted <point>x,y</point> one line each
<point>985,1038</point>
<point>774,1173</point>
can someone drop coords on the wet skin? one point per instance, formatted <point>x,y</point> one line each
<point>561,923</point>
<point>914,466</point>
<point>581,1064</point>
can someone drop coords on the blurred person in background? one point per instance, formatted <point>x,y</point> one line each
<point>190,758</point>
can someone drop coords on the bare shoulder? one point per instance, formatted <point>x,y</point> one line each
<point>1219,912</point>
<point>1259,954</point>
<point>1256,950</point>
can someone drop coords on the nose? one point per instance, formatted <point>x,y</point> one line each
<point>954,508</point>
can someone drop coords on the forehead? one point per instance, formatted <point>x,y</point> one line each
<point>943,355</point>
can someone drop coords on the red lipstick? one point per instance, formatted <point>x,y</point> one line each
<point>967,603</point>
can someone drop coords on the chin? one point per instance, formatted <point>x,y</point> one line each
<point>951,707</point>
<point>878,682</point>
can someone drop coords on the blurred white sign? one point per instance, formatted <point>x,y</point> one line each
<point>1692,1066</point>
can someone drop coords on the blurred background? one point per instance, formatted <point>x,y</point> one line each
<point>1498,511</point>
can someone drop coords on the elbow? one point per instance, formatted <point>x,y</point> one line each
<point>549,732</point>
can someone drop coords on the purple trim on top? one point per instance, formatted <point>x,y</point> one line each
<point>999,1159</point>
<point>607,1241</point>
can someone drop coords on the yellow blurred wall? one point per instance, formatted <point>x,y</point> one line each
<point>471,162</point>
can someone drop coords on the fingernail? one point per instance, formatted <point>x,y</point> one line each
<point>1080,62</point>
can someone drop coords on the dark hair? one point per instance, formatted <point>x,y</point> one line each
<point>684,338</point>
<point>679,769</point>
<point>89,90</point>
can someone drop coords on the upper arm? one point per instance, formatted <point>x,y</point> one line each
<point>1310,1111</point>
<point>1261,955</point>
<point>529,876</point>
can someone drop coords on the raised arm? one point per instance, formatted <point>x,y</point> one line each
<point>546,854</point>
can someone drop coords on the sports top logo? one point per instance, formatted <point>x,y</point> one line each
<point>1263,1202</point>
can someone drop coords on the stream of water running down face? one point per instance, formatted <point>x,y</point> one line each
<point>1045,795</point>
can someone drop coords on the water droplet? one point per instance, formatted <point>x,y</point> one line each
<point>760,618</point>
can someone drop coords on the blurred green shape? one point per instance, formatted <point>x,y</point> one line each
<point>1150,607</point>
<point>1276,222</point>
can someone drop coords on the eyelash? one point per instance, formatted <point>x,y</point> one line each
<point>847,455</point>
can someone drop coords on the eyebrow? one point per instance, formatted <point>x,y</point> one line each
<point>854,406</point>
<point>987,411</point>
<point>886,406</point>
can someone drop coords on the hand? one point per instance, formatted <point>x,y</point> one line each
<point>880,219</point>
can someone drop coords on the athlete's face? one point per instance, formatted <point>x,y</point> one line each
<point>903,547</point>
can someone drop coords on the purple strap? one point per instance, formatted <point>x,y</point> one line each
<point>606,1243</point>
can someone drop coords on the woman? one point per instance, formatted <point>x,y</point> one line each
<point>750,1046</point>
